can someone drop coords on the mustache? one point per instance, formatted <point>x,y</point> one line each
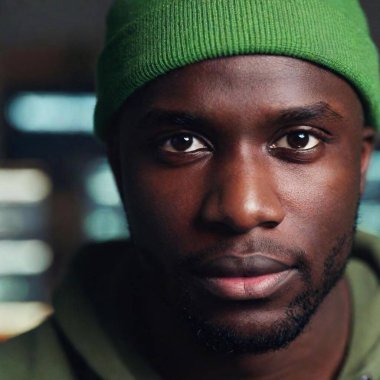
<point>244,249</point>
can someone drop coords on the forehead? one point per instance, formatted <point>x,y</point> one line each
<point>257,83</point>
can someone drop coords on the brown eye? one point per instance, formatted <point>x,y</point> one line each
<point>185,143</point>
<point>298,140</point>
<point>181,142</point>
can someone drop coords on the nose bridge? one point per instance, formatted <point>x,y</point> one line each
<point>244,195</point>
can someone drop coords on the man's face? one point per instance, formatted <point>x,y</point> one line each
<point>241,179</point>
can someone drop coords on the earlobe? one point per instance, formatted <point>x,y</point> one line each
<point>368,143</point>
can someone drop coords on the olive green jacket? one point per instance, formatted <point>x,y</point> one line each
<point>74,345</point>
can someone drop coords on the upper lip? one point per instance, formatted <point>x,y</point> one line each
<point>240,266</point>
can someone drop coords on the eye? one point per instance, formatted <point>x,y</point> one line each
<point>183,143</point>
<point>297,140</point>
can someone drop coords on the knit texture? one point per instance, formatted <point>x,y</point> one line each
<point>148,38</point>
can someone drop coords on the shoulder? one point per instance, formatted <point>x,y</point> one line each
<point>41,354</point>
<point>36,355</point>
<point>367,249</point>
<point>363,273</point>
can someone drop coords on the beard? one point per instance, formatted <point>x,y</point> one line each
<point>229,340</point>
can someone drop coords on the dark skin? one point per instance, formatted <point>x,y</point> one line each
<point>234,153</point>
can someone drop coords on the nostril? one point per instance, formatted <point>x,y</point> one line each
<point>269,224</point>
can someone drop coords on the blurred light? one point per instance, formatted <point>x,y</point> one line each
<point>14,288</point>
<point>11,222</point>
<point>374,167</point>
<point>27,257</point>
<point>24,221</point>
<point>105,217</point>
<point>52,112</point>
<point>105,223</point>
<point>22,288</point>
<point>101,186</point>
<point>23,185</point>
<point>369,219</point>
<point>19,317</point>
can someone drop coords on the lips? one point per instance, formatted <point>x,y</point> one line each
<point>247,266</point>
<point>242,278</point>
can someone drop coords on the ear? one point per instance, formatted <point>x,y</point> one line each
<point>368,144</point>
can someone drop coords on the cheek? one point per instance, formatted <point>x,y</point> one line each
<point>321,201</point>
<point>161,206</point>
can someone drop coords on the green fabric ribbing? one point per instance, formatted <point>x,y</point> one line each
<point>147,39</point>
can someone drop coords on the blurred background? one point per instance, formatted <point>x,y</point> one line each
<point>56,189</point>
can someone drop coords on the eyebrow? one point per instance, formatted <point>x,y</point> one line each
<point>156,117</point>
<point>320,110</point>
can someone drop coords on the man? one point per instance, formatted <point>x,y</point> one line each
<point>239,133</point>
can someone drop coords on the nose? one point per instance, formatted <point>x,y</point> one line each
<point>243,196</point>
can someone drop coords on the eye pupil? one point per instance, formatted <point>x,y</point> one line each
<point>298,140</point>
<point>181,142</point>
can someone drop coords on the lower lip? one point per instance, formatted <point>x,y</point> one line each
<point>248,288</point>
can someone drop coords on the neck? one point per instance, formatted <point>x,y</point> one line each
<point>316,354</point>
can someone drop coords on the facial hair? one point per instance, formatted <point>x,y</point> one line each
<point>227,339</point>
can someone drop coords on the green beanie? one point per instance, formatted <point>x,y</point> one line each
<point>148,38</point>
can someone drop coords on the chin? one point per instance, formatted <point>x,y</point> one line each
<point>251,331</point>
<point>252,326</point>
<point>258,327</point>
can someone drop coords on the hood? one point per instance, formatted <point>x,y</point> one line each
<point>363,273</point>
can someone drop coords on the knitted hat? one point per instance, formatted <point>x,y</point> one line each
<point>148,38</point>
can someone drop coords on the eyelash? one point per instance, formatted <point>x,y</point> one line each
<point>288,154</point>
<point>193,140</point>
<point>178,158</point>
<point>300,155</point>
<point>306,132</point>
